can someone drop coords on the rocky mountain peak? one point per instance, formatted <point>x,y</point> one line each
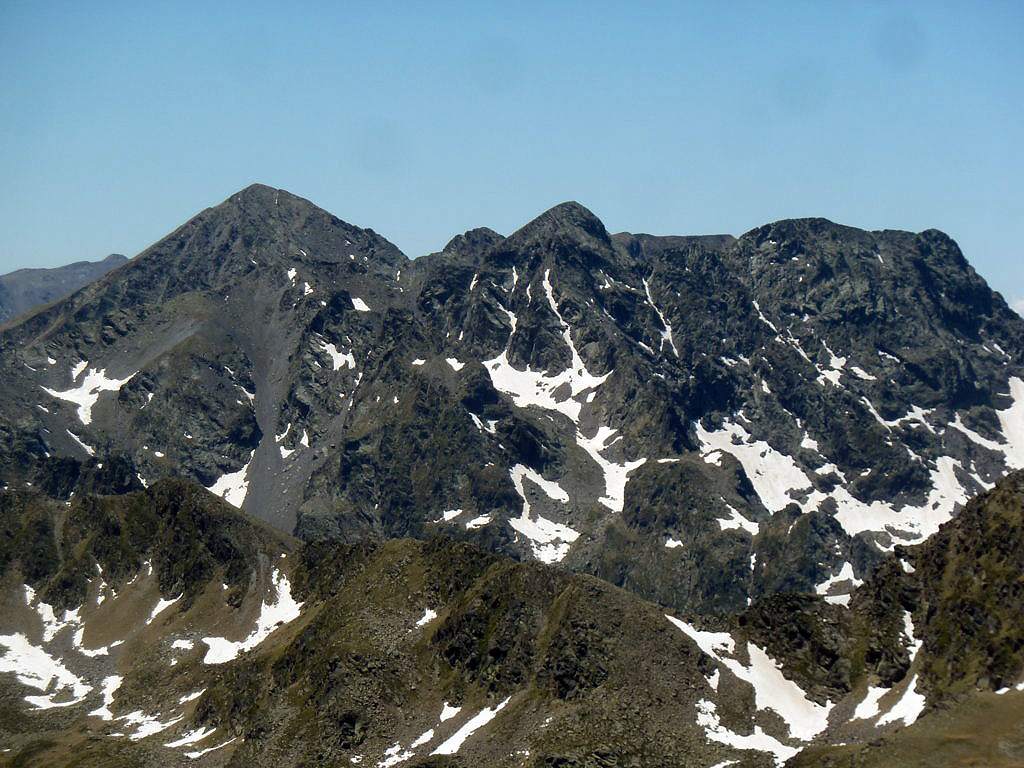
<point>791,237</point>
<point>568,220</point>
<point>473,242</point>
<point>273,223</point>
<point>256,194</point>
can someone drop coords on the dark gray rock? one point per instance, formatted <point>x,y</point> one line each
<point>359,394</point>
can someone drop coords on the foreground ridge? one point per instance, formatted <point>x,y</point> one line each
<point>162,626</point>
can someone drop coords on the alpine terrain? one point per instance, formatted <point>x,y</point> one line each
<point>275,494</point>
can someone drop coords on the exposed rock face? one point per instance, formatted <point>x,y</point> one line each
<point>26,289</point>
<point>702,420</point>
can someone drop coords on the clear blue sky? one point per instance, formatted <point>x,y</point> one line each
<point>118,121</point>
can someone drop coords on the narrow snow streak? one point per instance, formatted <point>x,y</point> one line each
<point>908,708</point>
<point>666,334</point>
<point>478,721</point>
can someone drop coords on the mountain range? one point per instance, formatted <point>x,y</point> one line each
<point>768,442</point>
<point>26,289</point>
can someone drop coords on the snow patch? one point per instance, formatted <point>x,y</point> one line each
<point>191,737</point>
<point>359,305</point>
<point>707,717</point>
<point>422,739</point>
<point>913,644</point>
<point>615,475</point>
<point>283,610</point>
<point>908,708</point>
<point>36,668</point>
<point>108,688</point>
<point>1012,422</point>
<point>779,481</point>
<point>338,360</point>
<point>845,575</point>
<point>559,392</point>
<point>868,708</point>
<point>428,616</point>
<point>160,607</point>
<point>550,541</point>
<point>738,522</point>
<point>475,723</point>
<point>773,474</point>
<point>200,753</point>
<point>394,755</point>
<point>772,690</point>
<point>860,373</point>
<point>88,392</point>
<point>233,486</point>
<point>147,725</point>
